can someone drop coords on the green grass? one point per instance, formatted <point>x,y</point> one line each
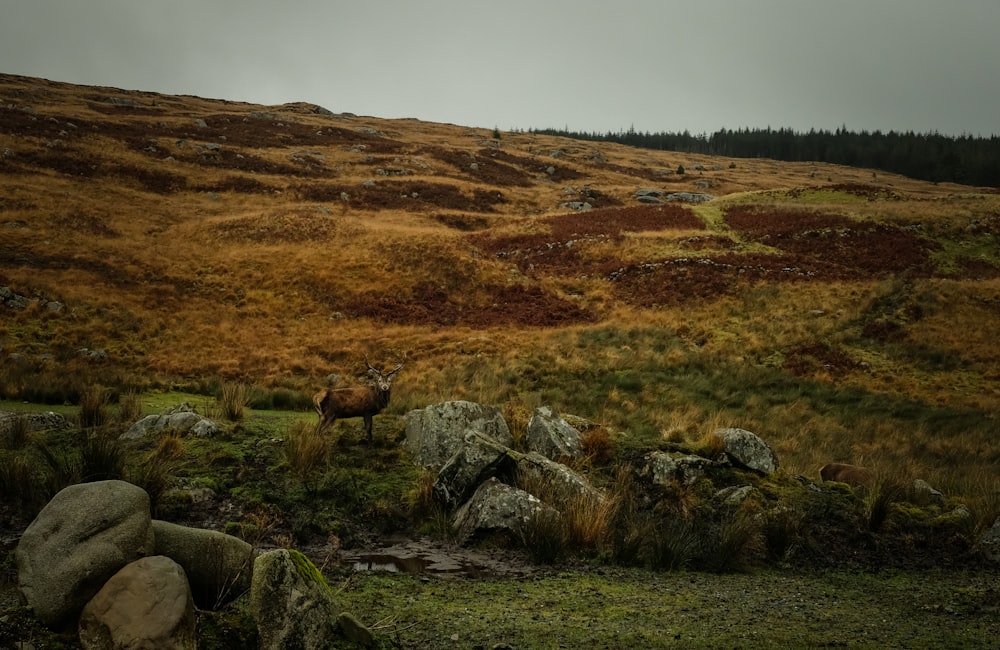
<point>616,608</point>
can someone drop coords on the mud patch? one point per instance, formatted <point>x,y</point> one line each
<point>424,558</point>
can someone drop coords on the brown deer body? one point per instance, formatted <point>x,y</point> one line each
<point>853,475</point>
<point>356,401</point>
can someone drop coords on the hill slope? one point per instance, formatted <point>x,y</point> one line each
<point>149,239</point>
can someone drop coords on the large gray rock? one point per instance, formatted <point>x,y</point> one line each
<point>81,538</point>
<point>552,436</point>
<point>479,458</point>
<point>747,450</point>
<point>664,468</point>
<point>497,507</point>
<point>562,482</point>
<point>435,433</point>
<point>146,605</point>
<point>181,419</point>
<point>218,566</point>
<point>292,603</point>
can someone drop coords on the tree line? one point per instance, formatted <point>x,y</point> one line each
<point>926,156</point>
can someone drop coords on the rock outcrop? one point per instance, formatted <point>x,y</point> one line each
<point>497,507</point>
<point>181,419</point>
<point>435,433</point>
<point>82,537</point>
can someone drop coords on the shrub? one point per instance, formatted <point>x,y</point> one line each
<point>102,457</point>
<point>94,401</point>
<point>155,473</point>
<point>306,450</point>
<point>129,406</point>
<point>17,432</point>
<point>233,398</point>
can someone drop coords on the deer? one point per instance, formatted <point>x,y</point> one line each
<point>356,401</point>
<point>852,475</point>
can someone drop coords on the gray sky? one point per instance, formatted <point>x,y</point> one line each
<point>657,65</point>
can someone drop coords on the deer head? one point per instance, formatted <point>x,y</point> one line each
<point>383,381</point>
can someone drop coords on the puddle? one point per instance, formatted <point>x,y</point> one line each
<point>426,560</point>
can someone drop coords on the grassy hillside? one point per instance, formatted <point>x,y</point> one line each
<point>839,313</point>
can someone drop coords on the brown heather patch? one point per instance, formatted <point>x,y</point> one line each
<point>843,246</point>
<point>279,227</point>
<point>493,306</point>
<point>413,196</point>
<point>818,359</point>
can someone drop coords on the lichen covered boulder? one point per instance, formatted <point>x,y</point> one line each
<point>552,436</point>
<point>292,603</point>
<point>435,433</point>
<point>747,450</point>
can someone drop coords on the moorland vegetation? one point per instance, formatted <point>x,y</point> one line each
<point>159,248</point>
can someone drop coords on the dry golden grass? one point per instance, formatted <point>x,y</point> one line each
<point>244,262</point>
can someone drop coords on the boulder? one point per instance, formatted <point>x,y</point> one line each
<point>664,468</point>
<point>217,565</point>
<point>181,419</point>
<point>734,495</point>
<point>924,494</point>
<point>147,604</point>
<point>292,603</point>
<point>479,458</point>
<point>81,538</point>
<point>989,543</point>
<point>563,482</point>
<point>552,436</point>
<point>434,434</point>
<point>494,507</point>
<point>747,450</point>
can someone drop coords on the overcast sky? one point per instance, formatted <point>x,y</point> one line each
<point>589,65</point>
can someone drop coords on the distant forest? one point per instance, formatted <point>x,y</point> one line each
<point>926,156</point>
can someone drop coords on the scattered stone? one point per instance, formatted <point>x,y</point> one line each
<point>147,604</point>
<point>10,420</point>
<point>747,450</point>
<point>181,419</point>
<point>81,538</point>
<point>688,197</point>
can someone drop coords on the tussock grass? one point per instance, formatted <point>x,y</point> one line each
<point>306,451</point>
<point>233,399</point>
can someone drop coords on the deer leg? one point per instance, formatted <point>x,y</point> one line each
<point>368,427</point>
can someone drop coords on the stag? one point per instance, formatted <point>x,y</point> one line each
<point>853,475</point>
<point>357,401</point>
